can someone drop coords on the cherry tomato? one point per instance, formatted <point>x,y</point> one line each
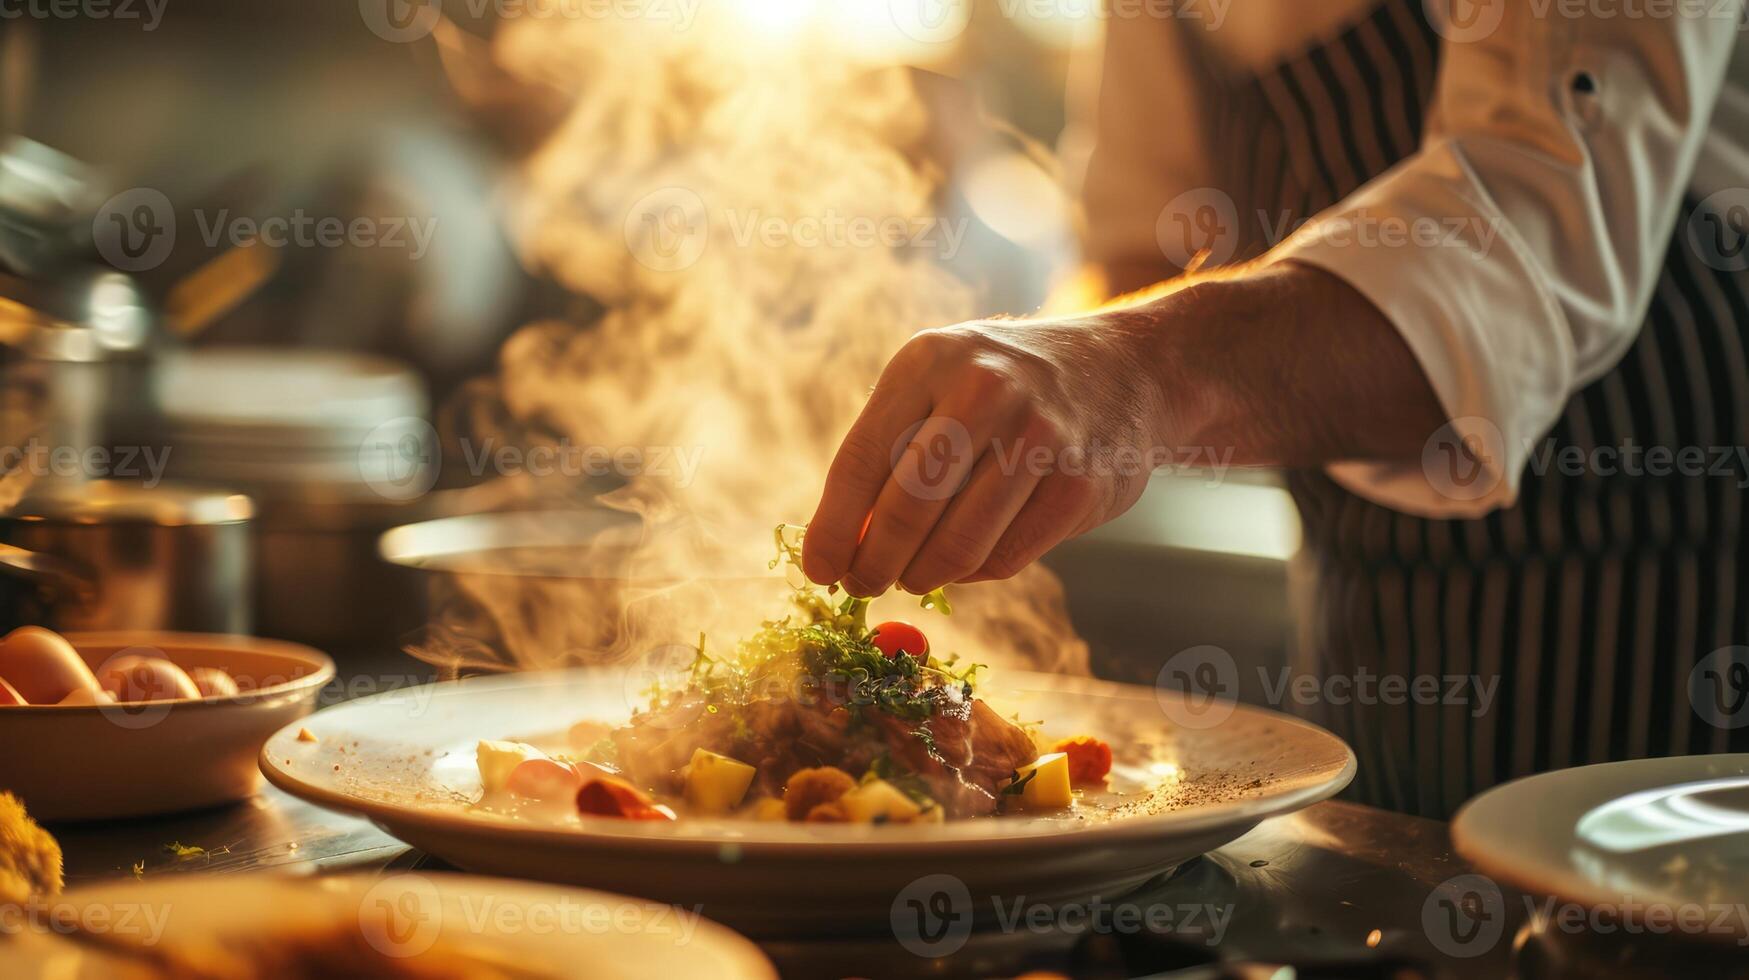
<point>895,638</point>
<point>1089,759</point>
<point>608,797</point>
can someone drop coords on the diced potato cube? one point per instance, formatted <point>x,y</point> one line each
<point>1049,788</point>
<point>768,809</point>
<point>878,801</point>
<point>716,783</point>
<point>496,759</point>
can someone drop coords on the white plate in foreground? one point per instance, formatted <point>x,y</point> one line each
<point>1670,833</point>
<point>457,924</point>
<point>405,759</point>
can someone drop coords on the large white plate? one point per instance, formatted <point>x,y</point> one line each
<point>405,760</point>
<point>1670,833</point>
<point>544,929</point>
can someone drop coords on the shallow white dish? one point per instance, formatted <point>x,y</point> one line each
<point>551,931</point>
<point>406,760</point>
<point>1622,835</point>
<point>101,762</point>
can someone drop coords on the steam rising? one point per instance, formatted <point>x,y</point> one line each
<point>753,356</point>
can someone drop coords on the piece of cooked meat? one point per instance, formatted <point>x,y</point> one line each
<point>962,753</point>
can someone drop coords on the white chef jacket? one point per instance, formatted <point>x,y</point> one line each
<point>1561,137</point>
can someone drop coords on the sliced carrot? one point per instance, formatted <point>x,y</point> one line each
<point>608,797</point>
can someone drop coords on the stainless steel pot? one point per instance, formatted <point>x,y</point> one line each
<point>334,449</point>
<point>555,588</point>
<point>106,555</point>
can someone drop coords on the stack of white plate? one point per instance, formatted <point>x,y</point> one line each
<point>288,422</point>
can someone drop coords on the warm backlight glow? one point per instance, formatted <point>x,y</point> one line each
<point>778,18</point>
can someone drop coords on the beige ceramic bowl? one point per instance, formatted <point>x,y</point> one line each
<point>103,762</point>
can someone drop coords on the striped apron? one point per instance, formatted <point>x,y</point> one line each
<point>1590,601</point>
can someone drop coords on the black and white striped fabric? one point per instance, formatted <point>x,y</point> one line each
<point>1593,599</point>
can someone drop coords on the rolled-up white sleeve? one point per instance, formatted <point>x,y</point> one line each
<point>1517,251</point>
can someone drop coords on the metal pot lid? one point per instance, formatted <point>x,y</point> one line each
<point>285,400</point>
<point>115,502</point>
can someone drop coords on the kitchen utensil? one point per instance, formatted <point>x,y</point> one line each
<point>406,760</point>
<point>99,762</point>
<point>105,554</point>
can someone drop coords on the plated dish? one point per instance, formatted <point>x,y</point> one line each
<point>165,744</point>
<point>413,762</point>
<point>408,760</point>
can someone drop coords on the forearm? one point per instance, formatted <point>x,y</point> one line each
<point>1285,366</point>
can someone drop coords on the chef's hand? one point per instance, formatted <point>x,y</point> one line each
<point>986,444</point>
<point>982,446</point>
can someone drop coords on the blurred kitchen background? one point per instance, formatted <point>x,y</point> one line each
<point>281,373</point>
